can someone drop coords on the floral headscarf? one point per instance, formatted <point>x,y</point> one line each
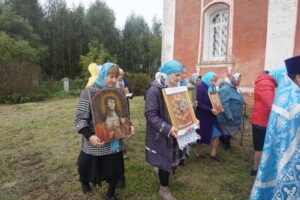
<point>161,79</point>
<point>233,78</point>
<point>193,78</point>
<point>103,74</point>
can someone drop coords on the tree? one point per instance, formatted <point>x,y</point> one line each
<point>11,49</point>
<point>101,21</point>
<point>134,41</point>
<point>97,55</point>
<point>30,10</point>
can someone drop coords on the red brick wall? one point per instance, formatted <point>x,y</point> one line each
<point>187,27</point>
<point>206,2</point>
<point>249,38</point>
<point>297,40</point>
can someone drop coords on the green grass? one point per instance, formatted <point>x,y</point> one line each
<point>39,149</point>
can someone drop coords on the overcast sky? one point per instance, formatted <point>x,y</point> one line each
<point>123,8</point>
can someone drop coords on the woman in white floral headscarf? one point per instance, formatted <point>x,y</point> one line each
<point>233,102</point>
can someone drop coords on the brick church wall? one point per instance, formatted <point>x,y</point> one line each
<point>187,27</point>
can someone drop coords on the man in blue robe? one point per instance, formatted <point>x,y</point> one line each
<point>278,174</point>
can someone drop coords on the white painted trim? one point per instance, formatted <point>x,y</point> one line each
<point>216,65</point>
<point>200,32</point>
<point>281,32</point>
<point>204,22</point>
<point>168,30</point>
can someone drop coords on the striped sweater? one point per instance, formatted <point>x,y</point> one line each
<point>83,119</point>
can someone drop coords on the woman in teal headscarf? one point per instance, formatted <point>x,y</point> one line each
<point>161,144</point>
<point>210,130</point>
<point>99,161</point>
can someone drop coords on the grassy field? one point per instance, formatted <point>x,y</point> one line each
<point>39,148</point>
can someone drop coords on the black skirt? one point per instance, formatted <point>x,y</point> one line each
<point>95,169</point>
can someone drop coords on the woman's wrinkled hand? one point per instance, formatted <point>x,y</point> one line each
<point>95,141</point>
<point>174,132</point>
<point>198,124</point>
<point>214,112</point>
<point>132,132</point>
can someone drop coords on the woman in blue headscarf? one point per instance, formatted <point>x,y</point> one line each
<point>195,79</point>
<point>210,130</point>
<point>161,144</point>
<point>99,161</point>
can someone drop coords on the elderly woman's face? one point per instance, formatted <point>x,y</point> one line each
<point>174,79</point>
<point>120,77</point>
<point>239,81</point>
<point>213,81</point>
<point>111,79</point>
<point>183,75</point>
<point>198,80</point>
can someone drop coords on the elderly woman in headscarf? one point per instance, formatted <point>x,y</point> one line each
<point>195,79</point>
<point>99,161</point>
<point>94,70</point>
<point>161,144</point>
<point>233,102</point>
<point>210,130</point>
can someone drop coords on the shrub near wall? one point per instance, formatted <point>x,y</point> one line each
<point>43,91</point>
<point>139,82</point>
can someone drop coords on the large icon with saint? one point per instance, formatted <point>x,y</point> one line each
<point>110,114</point>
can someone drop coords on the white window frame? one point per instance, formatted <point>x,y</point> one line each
<point>206,12</point>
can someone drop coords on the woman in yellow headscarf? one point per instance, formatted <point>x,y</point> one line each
<point>94,73</point>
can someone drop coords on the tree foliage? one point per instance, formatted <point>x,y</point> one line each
<point>63,41</point>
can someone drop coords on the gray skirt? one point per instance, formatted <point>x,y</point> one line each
<point>230,130</point>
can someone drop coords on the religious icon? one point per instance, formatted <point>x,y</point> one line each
<point>179,107</point>
<point>215,101</point>
<point>110,114</point>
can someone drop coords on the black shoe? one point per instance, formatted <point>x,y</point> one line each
<point>253,172</point>
<point>217,159</point>
<point>110,198</point>
<point>85,187</point>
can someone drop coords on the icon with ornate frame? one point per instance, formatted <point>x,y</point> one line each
<point>110,114</point>
<point>179,108</point>
<point>215,101</point>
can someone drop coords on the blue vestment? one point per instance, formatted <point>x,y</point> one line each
<point>278,174</point>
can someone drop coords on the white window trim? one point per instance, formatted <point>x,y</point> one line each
<point>203,40</point>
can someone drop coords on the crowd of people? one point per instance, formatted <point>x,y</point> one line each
<point>275,124</point>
